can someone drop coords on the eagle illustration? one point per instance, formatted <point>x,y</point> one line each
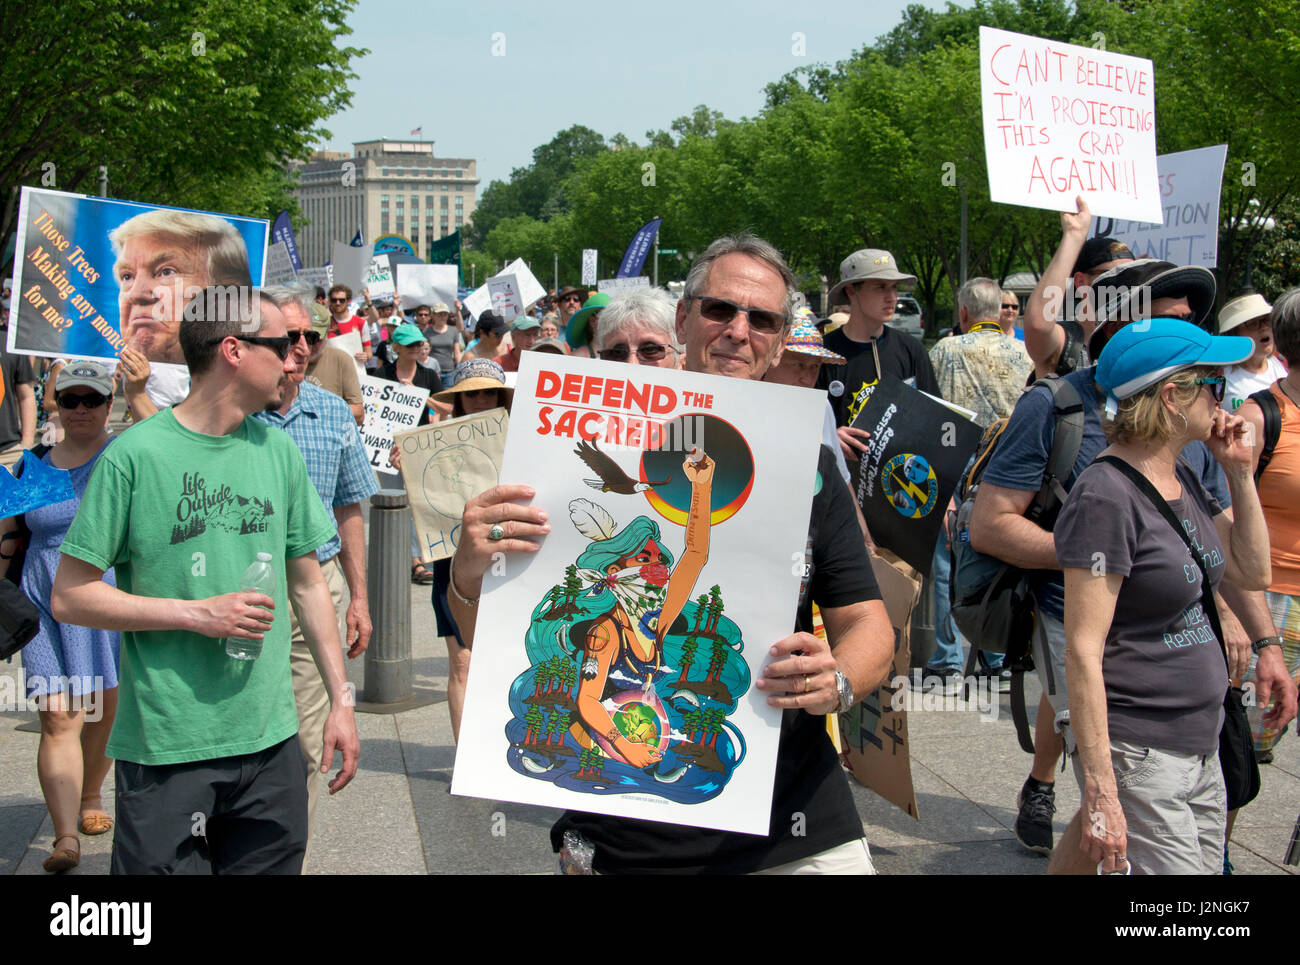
<point>612,478</point>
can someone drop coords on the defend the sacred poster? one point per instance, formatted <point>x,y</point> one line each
<point>614,669</point>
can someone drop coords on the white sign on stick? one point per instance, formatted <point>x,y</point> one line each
<point>427,284</point>
<point>350,265</point>
<point>614,669</point>
<point>614,285</point>
<point>478,301</point>
<point>1190,183</point>
<point>504,292</point>
<point>530,289</point>
<point>391,407</point>
<point>279,266</point>
<point>379,277</point>
<point>321,277</point>
<point>1062,120</point>
<point>350,342</point>
<point>589,266</point>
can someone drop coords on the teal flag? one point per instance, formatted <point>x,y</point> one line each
<point>446,251</point>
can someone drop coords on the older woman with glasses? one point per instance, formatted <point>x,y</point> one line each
<point>71,671</point>
<point>638,327</point>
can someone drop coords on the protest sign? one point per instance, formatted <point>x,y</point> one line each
<point>279,265</point>
<point>321,278</point>
<point>350,342</point>
<point>426,284</point>
<point>614,285</point>
<point>390,407</point>
<point>443,466</point>
<point>379,278</point>
<point>504,292</point>
<point>667,724</point>
<point>1062,120</point>
<point>478,301</point>
<point>530,289</point>
<point>589,266</point>
<point>917,452</point>
<point>89,275</point>
<point>350,265</point>
<point>874,730</point>
<point>1189,193</point>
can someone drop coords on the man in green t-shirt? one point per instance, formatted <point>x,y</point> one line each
<point>209,774</point>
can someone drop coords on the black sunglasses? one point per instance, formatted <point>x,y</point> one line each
<point>1006,305</point>
<point>344,300</point>
<point>478,393</point>
<point>646,352</point>
<point>720,310</point>
<point>280,345</point>
<point>92,400</point>
<point>1218,386</point>
<point>311,335</point>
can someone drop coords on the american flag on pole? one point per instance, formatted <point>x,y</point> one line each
<point>418,131</point>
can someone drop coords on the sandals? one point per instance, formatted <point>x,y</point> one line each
<point>421,573</point>
<point>63,859</point>
<point>94,820</point>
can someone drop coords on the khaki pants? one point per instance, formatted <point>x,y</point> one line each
<point>9,457</point>
<point>309,691</point>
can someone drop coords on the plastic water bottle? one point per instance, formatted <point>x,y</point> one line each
<point>260,577</point>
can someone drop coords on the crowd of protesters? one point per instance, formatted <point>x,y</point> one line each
<point>1192,417</point>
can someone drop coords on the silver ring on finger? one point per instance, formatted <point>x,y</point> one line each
<point>497,532</point>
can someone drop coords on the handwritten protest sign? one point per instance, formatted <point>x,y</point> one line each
<point>1190,182</point>
<point>84,280</point>
<point>917,452</point>
<point>279,265</point>
<point>390,407</point>
<point>426,284</point>
<point>379,277</point>
<point>613,285</point>
<point>589,266</point>
<point>321,277</point>
<point>1062,120</point>
<point>504,291</point>
<point>443,466</point>
<point>350,265</point>
<point>665,725</point>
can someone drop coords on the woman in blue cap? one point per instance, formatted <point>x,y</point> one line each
<point>1144,657</point>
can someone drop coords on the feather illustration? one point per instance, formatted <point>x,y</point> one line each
<point>592,521</point>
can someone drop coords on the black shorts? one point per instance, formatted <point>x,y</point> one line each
<point>441,613</point>
<point>231,815</point>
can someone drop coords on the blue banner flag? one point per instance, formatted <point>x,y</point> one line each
<point>282,230</point>
<point>356,241</point>
<point>634,257</point>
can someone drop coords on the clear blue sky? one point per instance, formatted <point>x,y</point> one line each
<point>610,66</point>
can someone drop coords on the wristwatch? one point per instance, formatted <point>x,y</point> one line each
<point>1263,642</point>
<point>845,690</point>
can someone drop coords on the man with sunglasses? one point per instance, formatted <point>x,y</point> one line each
<point>209,773</point>
<point>330,368</point>
<point>343,321</point>
<point>1132,292</point>
<point>325,432</point>
<point>732,320</point>
<point>568,301</point>
<point>870,281</point>
<point>1056,329</point>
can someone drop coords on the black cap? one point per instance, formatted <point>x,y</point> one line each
<point>490,321</point>
<point>1116,291</point>
<point>1098,251</point>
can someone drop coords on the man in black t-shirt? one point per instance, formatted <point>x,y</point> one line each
<point>814,826</point>
<point>870,282</point>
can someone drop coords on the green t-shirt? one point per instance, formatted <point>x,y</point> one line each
<point>181,515</point>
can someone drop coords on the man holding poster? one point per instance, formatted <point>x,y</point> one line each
<point>732,320</point>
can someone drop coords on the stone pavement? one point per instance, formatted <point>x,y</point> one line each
<point>398,817</point>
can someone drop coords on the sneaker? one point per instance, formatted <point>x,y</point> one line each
<point>945,680</point>
<point>1264,757</point>
<point>1037,803</point>
<point>998,680</point>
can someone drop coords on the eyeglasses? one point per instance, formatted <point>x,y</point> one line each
<point>280,345</point>
<point>92,400</point>
<point>722,311</point>
<point>646,352</point>
<point>1009,305</point>
<point>311,335</point>
<point>572,298</point>
<point>421,314</point>
<point>1218,385</point>
<point>340,301</point>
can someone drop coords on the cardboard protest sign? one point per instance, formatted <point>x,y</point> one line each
<point>677,501</point>
<point>350,265</point>
<point>426,284</point>
<point>588,266</point>
<point>279,265</point>
<point>915,456</point>
<point>446,464</point>
<point>391,407</point>
<point>92,275</point>
<point>379,278</point>
<point>320,277</point>
<point>1062,120</point>
<point>874,730</point>
<point>1190,183</point>
<point>614,285</point>
<point>504,292</point>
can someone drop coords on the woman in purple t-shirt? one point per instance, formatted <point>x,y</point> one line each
<point>1146,671</point>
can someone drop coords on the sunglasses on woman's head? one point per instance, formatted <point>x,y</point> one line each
<point>89,400</point>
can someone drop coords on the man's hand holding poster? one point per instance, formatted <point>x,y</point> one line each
<point>614,669</point>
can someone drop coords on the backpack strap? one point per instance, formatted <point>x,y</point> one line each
<point>1272,428</point>
<point>1067,407</point>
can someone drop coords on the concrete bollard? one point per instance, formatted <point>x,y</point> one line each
<point>388,560</point>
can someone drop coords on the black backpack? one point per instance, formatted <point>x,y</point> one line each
<point>1272,428</point>
<point>991,602</point>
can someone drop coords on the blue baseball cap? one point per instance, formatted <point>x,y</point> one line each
<point>1143,353</point>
